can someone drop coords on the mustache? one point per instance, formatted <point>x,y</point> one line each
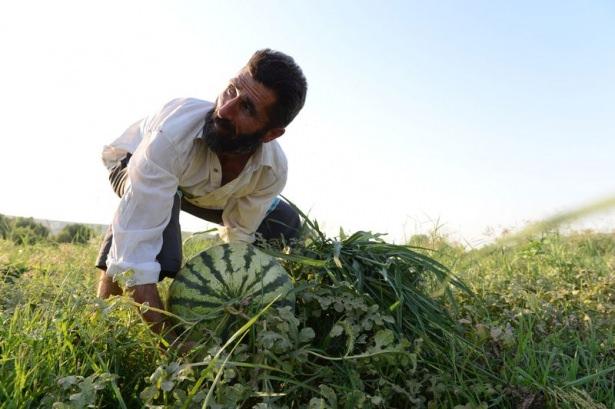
<point>223,123</point>
<point>219,126</point>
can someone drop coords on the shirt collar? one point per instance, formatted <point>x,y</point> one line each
<point>263,156</point>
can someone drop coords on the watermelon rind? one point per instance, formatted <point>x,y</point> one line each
<point>222,280</point>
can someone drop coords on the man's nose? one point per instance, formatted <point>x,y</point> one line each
<point>228,108</point>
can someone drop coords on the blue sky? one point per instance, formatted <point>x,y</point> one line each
<point>473,115</point>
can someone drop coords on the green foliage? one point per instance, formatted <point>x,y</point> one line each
<point>283,361</point>
<point>75,233</point>
<point>22,230</point>
<point>29,223</point>
<point>54,327</point>
<point>79,392</point>
<point>543,317</point>
<point>534,329</point>
<point>27,231</point>
<point>5,226</point>
<point>396,278</point>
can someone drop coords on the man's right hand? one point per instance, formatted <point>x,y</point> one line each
<point>158,322</point>
<point>148,294</point>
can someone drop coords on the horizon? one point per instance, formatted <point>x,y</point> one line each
<point>566,228</point>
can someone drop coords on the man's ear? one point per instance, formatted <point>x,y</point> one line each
<point>273,134</point>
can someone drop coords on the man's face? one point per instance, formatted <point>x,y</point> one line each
<point>238,122</point>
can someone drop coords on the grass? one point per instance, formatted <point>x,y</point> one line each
<point>52,326</point>
<point>543,314</point>
<point>528,324</point>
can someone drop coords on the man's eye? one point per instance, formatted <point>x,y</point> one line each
<point>247,107</point>
<point>231,90</point>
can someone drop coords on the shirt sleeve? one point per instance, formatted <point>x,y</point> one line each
<point>112,154</point>
<point>144,210</point>
<point>243,215</point>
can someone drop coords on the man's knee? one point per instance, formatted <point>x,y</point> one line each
<point>169,267</point>
<point>283,223</point>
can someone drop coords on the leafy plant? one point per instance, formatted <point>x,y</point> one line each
<point>397,278</point>
<point>23,231</point>
<point>79,392</point>
<point>536,329</point>
<point>75,233</point>
<point>5,226</point>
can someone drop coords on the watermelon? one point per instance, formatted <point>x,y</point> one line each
<point>226,279</point>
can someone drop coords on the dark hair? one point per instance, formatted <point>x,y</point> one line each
<point>279,72</point>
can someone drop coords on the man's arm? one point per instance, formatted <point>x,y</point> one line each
<point>143,214</point>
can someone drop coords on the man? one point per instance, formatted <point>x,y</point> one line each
<point>219,162</point>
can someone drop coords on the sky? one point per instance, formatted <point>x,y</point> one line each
<point>468,117</point>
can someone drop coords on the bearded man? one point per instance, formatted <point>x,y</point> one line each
<point>218,161</point>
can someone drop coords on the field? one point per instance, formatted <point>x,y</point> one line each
<point>533,327</point>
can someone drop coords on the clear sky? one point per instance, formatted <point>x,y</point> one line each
<point>472,115</point>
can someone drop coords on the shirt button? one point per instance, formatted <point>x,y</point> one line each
<point>216,170</point>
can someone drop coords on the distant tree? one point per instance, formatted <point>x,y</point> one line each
<point>24,230</point>
<point>24,235</point>
<point>29,222</point>
<point>5,226</point>
<point>75,233</point>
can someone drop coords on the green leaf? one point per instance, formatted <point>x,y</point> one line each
<point>306,334</point>
<point>179,394</point>
<point>394,306</point>
<point>329,395</point>
<point>78,400</point>
<point>269,338</point>
<point>149,393</point>
<point>590,378</point>
<point>167,386</point>
<point>336,331</point>
<point>288,315</point>
<point>337,248</point>
<point>384,338</point>
<point>158,374</point>
<point>173,367</point>
<point>69,381</point>
<point>317,403</point>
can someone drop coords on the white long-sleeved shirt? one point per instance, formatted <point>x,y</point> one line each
<point>169,153</point>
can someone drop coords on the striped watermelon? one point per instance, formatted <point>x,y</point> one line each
<point>237,275</point>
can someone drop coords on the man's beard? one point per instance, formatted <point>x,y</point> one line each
<point>219,134</point>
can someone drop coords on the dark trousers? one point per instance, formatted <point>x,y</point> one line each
<point>282,224</point>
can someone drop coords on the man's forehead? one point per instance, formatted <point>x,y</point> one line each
<point>258,93</point>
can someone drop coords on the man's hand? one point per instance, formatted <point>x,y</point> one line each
<point>158,322</point>
<point>148,294</point>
